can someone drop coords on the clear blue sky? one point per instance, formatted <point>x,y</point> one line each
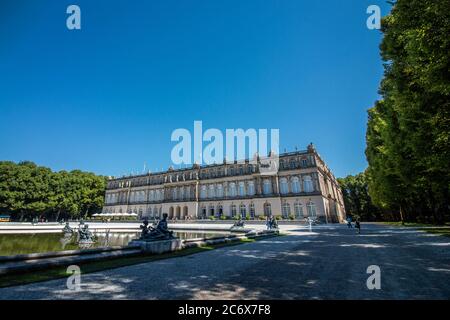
<point>106,98</point>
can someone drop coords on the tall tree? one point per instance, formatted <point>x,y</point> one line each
<point>357,200</point>
<point>28,191</point>
<point>408,134</point>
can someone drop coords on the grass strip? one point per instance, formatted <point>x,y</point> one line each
<point>429,228</point>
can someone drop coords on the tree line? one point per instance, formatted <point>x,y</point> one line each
<point>408,129</point>
<point>29,191</point>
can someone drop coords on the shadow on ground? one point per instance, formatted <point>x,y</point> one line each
<point>328,263</point>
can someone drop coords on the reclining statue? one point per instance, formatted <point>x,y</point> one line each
<point>160,232</point>
<point>239,223</point>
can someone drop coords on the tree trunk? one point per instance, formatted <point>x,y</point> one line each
<point>402,219</point>
<point>57,215</point>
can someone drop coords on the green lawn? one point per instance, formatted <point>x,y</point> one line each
<point>430,228</point>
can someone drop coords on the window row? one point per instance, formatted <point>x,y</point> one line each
<point>298,210</point>
<point>294,186</point>
<point>243,188</point>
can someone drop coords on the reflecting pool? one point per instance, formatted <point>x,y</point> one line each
<point>11,244</point>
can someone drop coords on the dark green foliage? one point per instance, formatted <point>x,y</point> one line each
<point>356,197</point>
<point>408,131</point>
<point>28,191</point>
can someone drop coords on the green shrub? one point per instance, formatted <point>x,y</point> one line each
<point>278,217</point>
<point>212,218</point>
<point>291,217</point>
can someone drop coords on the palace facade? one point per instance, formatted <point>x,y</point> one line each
<point>302,186</point>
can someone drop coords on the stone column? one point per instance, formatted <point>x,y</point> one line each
<point>258,186</point>
<point>275,189</point>
<point>195,189</point>
<point>225,189</point>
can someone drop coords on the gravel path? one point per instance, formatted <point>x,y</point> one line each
<point>328,263</point>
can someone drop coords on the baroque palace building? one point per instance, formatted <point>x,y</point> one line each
<point>302,186</point>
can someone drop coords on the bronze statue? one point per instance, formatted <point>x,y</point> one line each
<point>67,229</point>
<point>239,223</point>
<point>84,234</point>
<point>160,232</point>
<point>274,223</point>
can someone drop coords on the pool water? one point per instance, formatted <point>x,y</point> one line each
<point>11,244</point>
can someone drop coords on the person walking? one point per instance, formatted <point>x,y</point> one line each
<point>349,222</point>
<point>358,225</point>
<point>268,223</point>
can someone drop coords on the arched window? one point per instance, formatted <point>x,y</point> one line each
<point>151,195</point>
<point>251,188</point>
<point>292,164</point>
<point>252,210</point>
<point>311,208</point>
<point>298,209</point>
<point>203,211</point>
<point>182,193</point>
<point>232,189</point>
<point>219,210</point>
<point>295,182</point>
<point>242,189</point>
<point>284,186</point>
<point>304,163</point>
<point>267,187</point>
<point>219,191</point>
<point>174,193</point>
<point>307,184</point>
<point>243,211</point>
<point>286,210</point>
<point>267,209</point>
<point>233,210</point>
<point>211,191</point>
<point>203,192</point>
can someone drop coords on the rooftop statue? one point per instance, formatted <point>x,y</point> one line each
<point>160,232</point>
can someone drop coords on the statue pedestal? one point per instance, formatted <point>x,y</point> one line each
<point>157,247</point>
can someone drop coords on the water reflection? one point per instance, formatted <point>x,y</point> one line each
<point>65,240</point>
<point>11,244</point>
